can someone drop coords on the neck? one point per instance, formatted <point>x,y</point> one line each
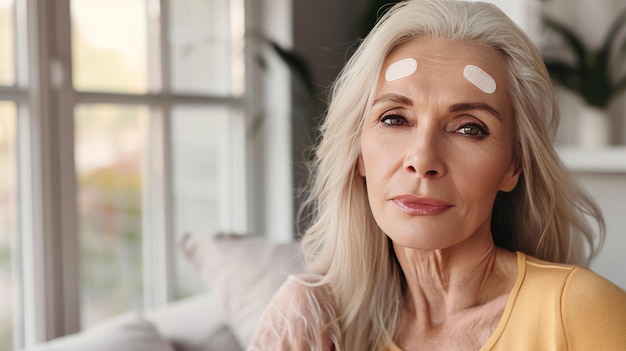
<point>441,283</point>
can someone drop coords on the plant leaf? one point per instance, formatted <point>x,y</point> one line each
<point>614,30</point>
<point>618,88</point>
<point>372,12</point>
<point>297,64</point>
<point>570,39</point>
<point>256,124</point>
<point>260,60</point>
<point>621,54</point>
<point>563,74</point>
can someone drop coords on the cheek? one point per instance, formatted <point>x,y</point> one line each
<point>377,158</point>
<point>480,178</point>
<point>360,165</point>
<point>374,166</point>
<point>367,155</point>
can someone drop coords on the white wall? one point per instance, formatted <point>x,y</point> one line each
<point>610,192</point>
<point>590,19</point>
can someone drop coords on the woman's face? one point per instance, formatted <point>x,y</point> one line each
<point>437,144</point>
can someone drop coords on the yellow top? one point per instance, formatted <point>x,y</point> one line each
<point>559,307</point>
<point>551,307</point>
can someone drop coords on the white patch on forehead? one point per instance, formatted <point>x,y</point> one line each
<point>400,69</point>
<point>481,79</point>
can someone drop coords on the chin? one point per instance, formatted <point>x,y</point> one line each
<point>422,242</point>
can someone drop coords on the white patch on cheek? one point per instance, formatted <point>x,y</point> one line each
<point>481,79</point>
<point>400,69</point>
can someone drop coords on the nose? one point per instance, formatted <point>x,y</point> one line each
<point>424,156</point>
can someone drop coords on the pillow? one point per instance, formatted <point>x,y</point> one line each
<point>195,323</point>
<point>127,332</point>
<point>244,272</point>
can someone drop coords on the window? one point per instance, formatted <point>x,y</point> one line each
<point>111,144</point>
<point>7,43</point>
<point>9,288</point>
<point>11,96</point>
<point>125,122</point>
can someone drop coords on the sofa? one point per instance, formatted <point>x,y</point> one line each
<point>241,273</point>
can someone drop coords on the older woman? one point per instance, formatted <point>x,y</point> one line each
<point>444,220</point>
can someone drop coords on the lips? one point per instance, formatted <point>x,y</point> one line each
<point>420,206</point>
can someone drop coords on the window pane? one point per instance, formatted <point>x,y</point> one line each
<point>199,156</point>
<point>109,45</point>
<point>7,43</point>
<point>8,223</point>
<point>110,153</point>
<point>202,46</point>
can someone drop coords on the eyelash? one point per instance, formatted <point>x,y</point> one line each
<point>393,120</point>
<point>480,130</point>
<point>392,116</point>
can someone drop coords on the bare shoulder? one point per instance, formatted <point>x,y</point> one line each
<point>301,316</point>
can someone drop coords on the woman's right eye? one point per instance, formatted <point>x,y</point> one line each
<point>394,120</point>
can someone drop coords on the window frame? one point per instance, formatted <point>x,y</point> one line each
<point>47,209</point>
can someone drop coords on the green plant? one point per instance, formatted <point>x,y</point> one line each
<point>591,74</point>
<point>372,11</point>
<point>296,63</point>
<point>306,103</point>
<point>308,107</point>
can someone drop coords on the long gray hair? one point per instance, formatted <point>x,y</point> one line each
<point>544,216</point>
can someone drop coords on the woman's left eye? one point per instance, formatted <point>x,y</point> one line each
<point>473,130</point>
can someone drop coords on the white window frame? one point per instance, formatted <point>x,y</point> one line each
<point>49,254</point>
<point>269,161</point>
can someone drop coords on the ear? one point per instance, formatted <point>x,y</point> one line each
<point>360,166</point>
<point>510,178</point>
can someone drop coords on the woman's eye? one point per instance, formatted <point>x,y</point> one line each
<point>473,130</point>
<point>394,120</point>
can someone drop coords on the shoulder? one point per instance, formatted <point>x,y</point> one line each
<point>301,316</point>
<point>305,284</point>
<point>593,312</point>
<point>584,283</point>
<point>537,268</point>
<point>548,278</point>
<point>303,292</point>
<point>584,288</point>
<point>571,283</point>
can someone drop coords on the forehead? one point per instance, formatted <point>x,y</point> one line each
<point>443,53</point>
<point>441,65</point>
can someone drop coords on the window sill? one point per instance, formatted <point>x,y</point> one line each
<point>605,160</point>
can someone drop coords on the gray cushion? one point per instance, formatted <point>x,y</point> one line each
<point>195,323</point>
<point>244,273</point>
<point>127,332</point>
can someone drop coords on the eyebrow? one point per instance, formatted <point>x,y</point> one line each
<point>394,98</point>
<point>463,106</point>
<point>467,106</point>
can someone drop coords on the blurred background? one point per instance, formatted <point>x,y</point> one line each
<point>126,124</point>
